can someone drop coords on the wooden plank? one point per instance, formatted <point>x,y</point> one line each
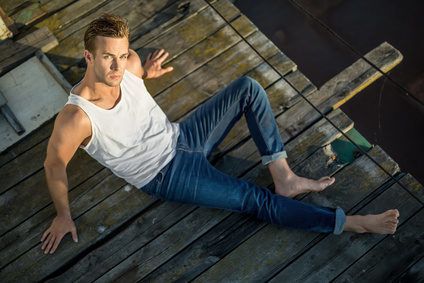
<point>225,8</point>
<point>67,26</point>
<point>23,159</point>
<point>33,191</point>
<point>171,18</point>
<point>206,80</point>
<point>95,225</point>
<point>53,71</point>
<point>299,149</point>
<point>385,57</point>
<point>150,225</point>
<point>265,47</point>
<point>82,198</point>
<point>391,256</point>
<point>301,115</point>
<point>209,39</point>
<point>13,53</point>
<point>20,147</point>
<point>6,26</point>
<point>243,26</point>
<point>198,257</point>
<point>10,5</point>
<point>179,235</point>
<point>326,259</point>
<point>34,96</point>
<point>139,246</point>
<point>351,80</point>
<point>279,245</point>
<point>37,157</point>
<point>265,76</point>
<point>211,249</point>
<point>15,178</point>
<point>414,187</point>
<point>70,52</point>
<point>44,132</point>
<point>164,13</point>
<point>76,159</point>
<point>413,274</point>
<point>31,13</point>
<point>69,14</point>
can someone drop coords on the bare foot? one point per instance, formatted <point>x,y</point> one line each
<point>384,223</point>
<point>294,185</point>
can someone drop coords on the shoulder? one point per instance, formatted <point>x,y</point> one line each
<point>72,116</point>
<point>134,64</point>
<point>70,129</point>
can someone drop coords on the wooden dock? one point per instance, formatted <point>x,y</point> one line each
<point>127,235</point>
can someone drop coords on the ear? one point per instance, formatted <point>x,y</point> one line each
<point>89,58</point>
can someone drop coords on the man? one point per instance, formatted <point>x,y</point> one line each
<point>111,115</point>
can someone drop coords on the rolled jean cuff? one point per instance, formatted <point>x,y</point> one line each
<point>269,158</point>
<point>340,221</point>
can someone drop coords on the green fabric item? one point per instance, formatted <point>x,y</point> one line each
<point>345,150</point>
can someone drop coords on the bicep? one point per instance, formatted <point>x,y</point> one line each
<point>67,135</point>
<point>134,64</point>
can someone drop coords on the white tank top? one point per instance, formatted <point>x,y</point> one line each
<point>134,139</point>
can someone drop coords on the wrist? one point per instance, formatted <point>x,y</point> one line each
<point>64,215</point>
<point>145,74</point>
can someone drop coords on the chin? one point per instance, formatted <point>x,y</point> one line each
<point>113,82</point>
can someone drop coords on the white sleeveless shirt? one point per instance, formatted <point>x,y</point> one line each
<point>134,139</point>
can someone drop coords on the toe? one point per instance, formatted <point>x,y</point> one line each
<point>327,181</point>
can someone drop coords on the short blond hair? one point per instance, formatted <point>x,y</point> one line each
<point>106,25</point>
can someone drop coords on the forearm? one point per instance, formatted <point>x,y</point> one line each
<point>57,182</point>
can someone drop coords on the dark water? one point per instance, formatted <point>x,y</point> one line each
<point>383,112</point>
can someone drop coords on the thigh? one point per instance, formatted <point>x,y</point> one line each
<point>192,179</point>
<point>215,117</point>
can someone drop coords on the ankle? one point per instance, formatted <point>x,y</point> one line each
<point>355,223</point>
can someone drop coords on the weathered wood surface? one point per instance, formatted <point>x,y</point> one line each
<point>12,53</point>
<point>280,245</point>
<point>34,96</point>
<point>326,259</point>
<point>126,234</point>
<point>129,245</point>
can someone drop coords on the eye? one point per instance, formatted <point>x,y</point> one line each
<point>106,57</point>
<point>124,56</point>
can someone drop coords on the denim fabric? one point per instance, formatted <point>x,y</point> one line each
<point>190,178</point>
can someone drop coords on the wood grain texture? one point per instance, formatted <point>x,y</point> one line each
<point>280,245</point>
<point>392,256</point>
<point>326,259</point>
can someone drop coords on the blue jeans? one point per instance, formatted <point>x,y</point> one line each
<point>190,178</point>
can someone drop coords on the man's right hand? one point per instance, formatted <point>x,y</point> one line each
<point>60,226</point>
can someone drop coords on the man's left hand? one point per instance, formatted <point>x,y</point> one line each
<point>153,64</point>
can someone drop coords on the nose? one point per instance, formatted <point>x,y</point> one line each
<point>116,66</point>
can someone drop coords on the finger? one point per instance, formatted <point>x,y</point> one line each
<point>163,57</point>
<point>45,234</point>
<point>47,241</point>
<point>55,244</point>
<point>149,57</point>
<point>74,235</point>
<point>154,54</point>
<point>49,246</point>
<point>160,52</point>
<point>167,70</point>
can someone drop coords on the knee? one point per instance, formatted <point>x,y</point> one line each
<point>246,81</point>
<point>251,86</point>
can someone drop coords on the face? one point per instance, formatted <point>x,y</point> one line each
<point>109,60</point>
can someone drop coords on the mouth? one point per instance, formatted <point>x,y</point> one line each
<point>115,77</point>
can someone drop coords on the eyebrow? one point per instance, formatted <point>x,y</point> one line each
<point>107,53</point>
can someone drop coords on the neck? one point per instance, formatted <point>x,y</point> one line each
<point>95,88</point>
